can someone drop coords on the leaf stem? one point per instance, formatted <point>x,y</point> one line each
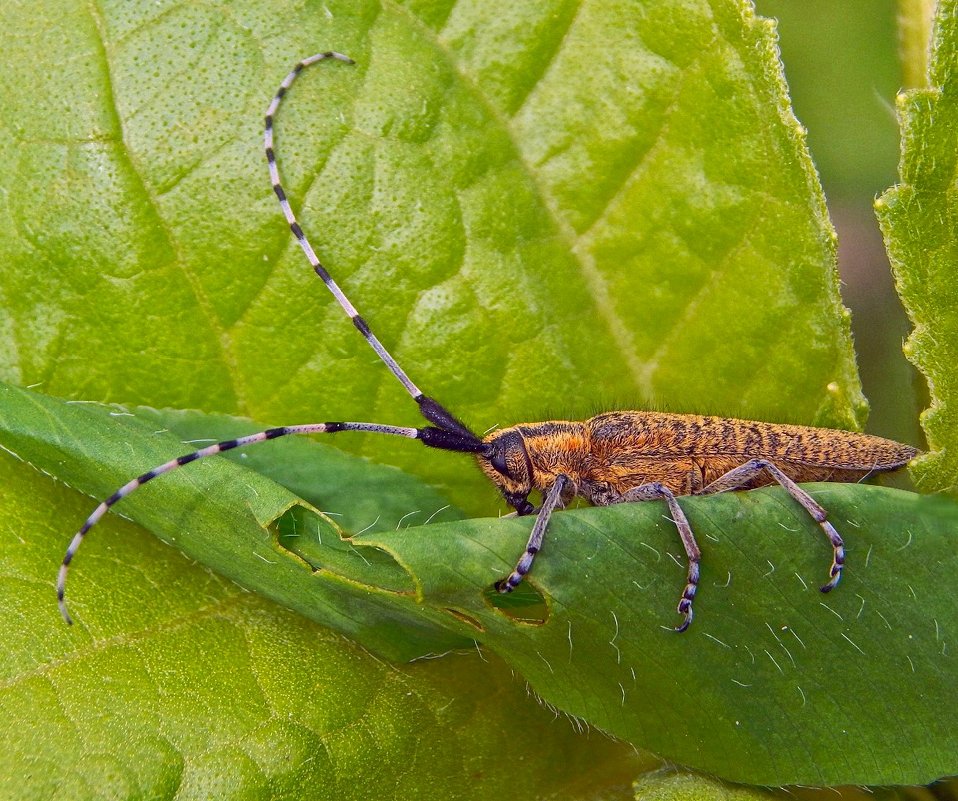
<point>915,19</point>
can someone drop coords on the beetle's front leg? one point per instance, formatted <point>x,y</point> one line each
<point>524,565</point>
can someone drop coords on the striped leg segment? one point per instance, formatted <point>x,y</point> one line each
<point>653,492</point>
<point>212,450</point>
<point>741,476</point>
<point>534,545</point>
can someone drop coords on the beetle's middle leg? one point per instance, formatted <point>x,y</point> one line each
<point>655,491</point>
<point>742,475</point>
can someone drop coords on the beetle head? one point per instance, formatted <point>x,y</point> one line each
<point>506,463</point>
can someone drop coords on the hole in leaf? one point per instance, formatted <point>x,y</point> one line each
<point>465,618</point>
<point>525,604</point>
<point>310,538</point>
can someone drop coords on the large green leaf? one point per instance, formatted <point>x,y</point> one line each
<point>774,683</point>
<point>180,685</point>
<point>917,217</point>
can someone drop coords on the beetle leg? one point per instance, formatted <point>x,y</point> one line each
<point>524,565</point>
<point>741,476</point>
<point>655,491</point>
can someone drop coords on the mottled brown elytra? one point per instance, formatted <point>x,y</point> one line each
<point>611,458</point>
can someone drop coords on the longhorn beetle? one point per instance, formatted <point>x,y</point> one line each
<point>611,458</point>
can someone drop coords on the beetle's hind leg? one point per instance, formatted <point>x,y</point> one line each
<point>653,492</point>
<point>743,475</point>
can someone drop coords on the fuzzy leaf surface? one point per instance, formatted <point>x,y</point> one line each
<point>754,692</point>
<point>774,683</point>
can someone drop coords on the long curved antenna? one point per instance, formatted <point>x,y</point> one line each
<point>433,437</point>
<point>431,409</point>
<point>449,433</point>
<point>294,226</point>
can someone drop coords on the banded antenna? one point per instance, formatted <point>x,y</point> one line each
<point>447,432</point>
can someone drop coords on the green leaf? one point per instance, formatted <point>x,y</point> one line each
<point>184,686</point>
<point>708,699</point>
<point>774,683</point>
<point>917,220</point>
<point>666,785</point>
<point>669,786</point>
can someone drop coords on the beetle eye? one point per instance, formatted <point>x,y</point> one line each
<point>498,461</point>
